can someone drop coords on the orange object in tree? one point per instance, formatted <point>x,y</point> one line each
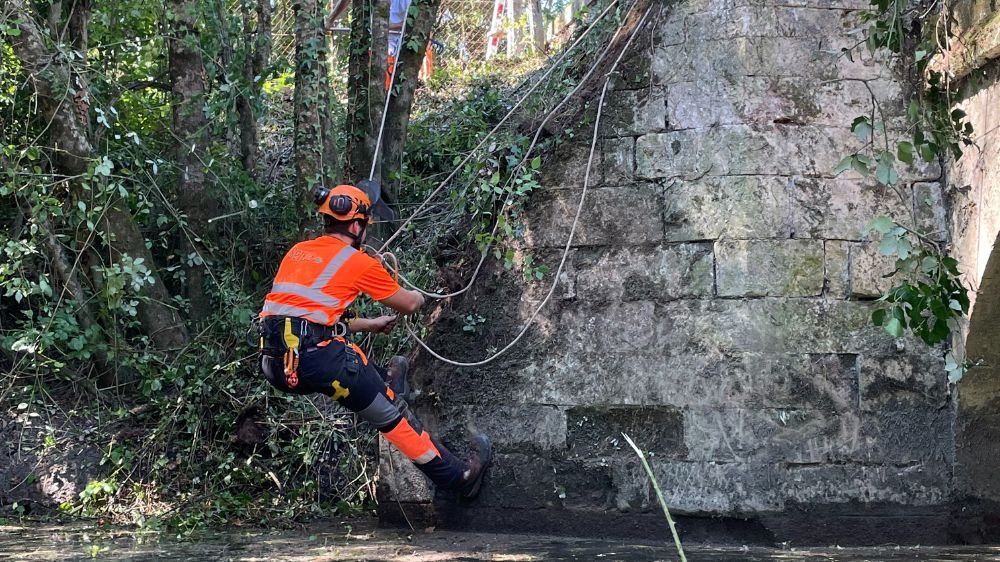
<point>426,66</point>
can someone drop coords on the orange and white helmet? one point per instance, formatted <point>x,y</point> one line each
<point>344,203</point>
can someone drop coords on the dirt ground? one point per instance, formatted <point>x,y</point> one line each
<point>361,540</point>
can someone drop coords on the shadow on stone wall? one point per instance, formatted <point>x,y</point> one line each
<point>975,202</point>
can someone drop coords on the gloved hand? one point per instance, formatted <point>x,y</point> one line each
<point>383,324</point>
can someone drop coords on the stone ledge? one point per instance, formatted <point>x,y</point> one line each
<point>919,434</point>
<point>779,57</point>
<point>741,150</point>
<point>702,488</point>
<point>512,427</point>
<point>974,49</point>
<point>769,21</point>
<point>763,101</point>
<point>799,525</point>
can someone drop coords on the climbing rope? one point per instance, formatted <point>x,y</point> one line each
<point>576,219</point>
<point>388,96</point>
<point>493,131</point>
<point>534,142</point>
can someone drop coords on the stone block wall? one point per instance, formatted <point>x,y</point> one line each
<point>715,306</point>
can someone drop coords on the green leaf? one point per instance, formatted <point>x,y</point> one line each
<point>860,166</point>
<point>904,151</point>
<point>536,162</point>
<point>862,128</point>
<point>885,171</point>
<point>938,333</point>
<point>888,246</point>
<point>954,367</point>
<point>894,327</point>
<point>903,248</point>
<point>881,224</point>
<point>844,165</point>
<point>105,167</point>
<point>878,316</point>
<point>928,151</point>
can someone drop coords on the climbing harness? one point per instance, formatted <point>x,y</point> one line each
<point>288,336</point>
<point>576,220</point>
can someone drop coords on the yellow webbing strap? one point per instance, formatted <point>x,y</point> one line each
<point>292,355</point>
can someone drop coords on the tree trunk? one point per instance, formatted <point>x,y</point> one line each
<point>222,71</point>
<point>536,25</point>
<point>262,42</point>
<point>244,100</point>
<point>515,34</point>
<point>55,21</point>
<point>79,24</point>
<point>69,281</point>
<point>366,75</point>
<point>254,62</point>
<point>253,72</point>
<point>315,160</point>
<point>418,31</point>
<point>190,127</point>
<point>71,155</point>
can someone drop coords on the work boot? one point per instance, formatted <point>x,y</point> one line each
<point>397,378</point>
<point>480,457</point>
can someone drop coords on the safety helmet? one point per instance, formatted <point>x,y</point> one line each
<point>344,203</point>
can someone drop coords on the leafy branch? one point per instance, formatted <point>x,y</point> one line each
<point>932,299</point>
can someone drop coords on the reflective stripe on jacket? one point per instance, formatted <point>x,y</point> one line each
<point>318,279</point>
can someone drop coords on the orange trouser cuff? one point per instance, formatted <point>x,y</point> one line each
<point>417,447</point>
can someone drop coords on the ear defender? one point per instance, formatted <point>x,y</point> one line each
<point>320,193</point>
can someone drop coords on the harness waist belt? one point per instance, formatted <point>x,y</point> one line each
<point>309,333</point>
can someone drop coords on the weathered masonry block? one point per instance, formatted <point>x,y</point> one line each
<point>759,268</point>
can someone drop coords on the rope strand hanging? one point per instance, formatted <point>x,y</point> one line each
<point>388,96</point>
<point>534,142</point>
<point>576,219</point>
<point>496,128</point>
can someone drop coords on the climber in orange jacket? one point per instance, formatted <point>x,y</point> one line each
<point>305,345</point>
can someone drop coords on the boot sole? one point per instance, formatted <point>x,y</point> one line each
<point>401,382</point>
<point>486,460</point>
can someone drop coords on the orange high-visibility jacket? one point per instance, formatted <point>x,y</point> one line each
<point>318,279</point>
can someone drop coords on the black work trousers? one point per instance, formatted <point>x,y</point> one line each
<point>340,370</point>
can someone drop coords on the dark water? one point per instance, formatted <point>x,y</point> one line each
<point>362,541</point>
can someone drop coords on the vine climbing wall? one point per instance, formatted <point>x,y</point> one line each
<point>715,307</point>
